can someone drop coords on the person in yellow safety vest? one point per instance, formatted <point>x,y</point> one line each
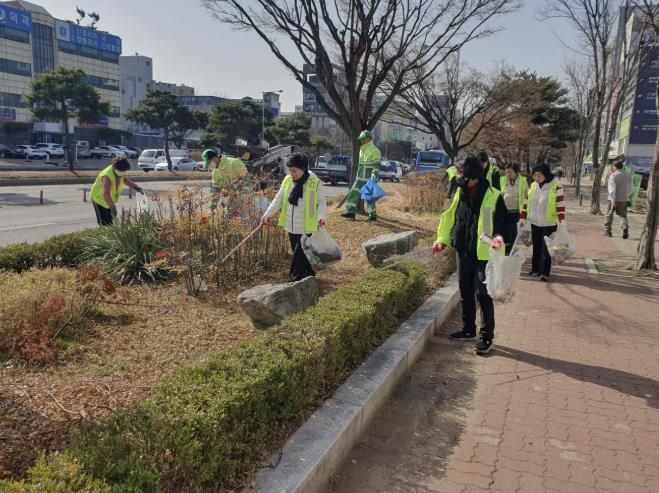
<point>106,190</point>
<point>230,174</point>
<point>474,223</point>
<point>453,173</point>
<point>491,174</point>
<point>301,205</point>
<point>514,188</point>
<point>369,166</point>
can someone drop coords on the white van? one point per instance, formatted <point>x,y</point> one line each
<point>150,157</point>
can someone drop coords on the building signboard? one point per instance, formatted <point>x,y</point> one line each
<point>7,114</point>
<point>84,36</point>
<point>16,19</point>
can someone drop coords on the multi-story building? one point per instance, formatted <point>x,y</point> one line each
<point>136,80</point>
<point>637,123</point>
<point>33,42</point>
<point>184,91</point>
<point>164,87</point>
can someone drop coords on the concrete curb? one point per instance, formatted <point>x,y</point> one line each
<point>86,180</point>
<point>320,445</point>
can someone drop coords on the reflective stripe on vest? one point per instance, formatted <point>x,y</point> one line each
<point>310,198</point>
<point>521,182</point>
<point>485,221</point>
<point>97,187</point>
<point>552,214</point>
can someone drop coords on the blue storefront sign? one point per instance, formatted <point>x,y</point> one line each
<point>84,36</point>
<point>7,114</point>
<point>16,19</point>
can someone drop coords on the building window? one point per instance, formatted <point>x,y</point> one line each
<point>115,112</point>
<point>647,128</point>
<point>103,83</point>
<point>14,34</point>
<point>42,48</point>
<point>74,49</point>
<point>16,68</point>
<point>12,100</point>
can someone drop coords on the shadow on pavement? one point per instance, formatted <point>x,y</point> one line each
<point>23,199</point>
<point>625,382</point>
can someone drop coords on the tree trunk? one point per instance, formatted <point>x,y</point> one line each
<point>645,258</point>
<point>355,158</point>
<point>167,157</point>
<point>597,172</point>
<point>67,150</point>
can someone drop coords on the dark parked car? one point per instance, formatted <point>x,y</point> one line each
<point>5,151</point>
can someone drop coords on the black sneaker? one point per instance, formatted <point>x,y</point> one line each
<point>484,345</point>
<point>544,278</point>
<point>532,273</point>
<point>348,215</point>
<point>462,335</point>
<point>372,219</point>
<point>625,234</point>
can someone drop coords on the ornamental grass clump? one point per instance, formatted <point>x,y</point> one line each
<point>126,250</point>
<point>426,192</point>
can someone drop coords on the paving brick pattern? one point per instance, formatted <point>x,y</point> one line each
<point>566,402</point>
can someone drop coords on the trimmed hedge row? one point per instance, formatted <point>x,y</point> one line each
<point>199,425</point>
<point>57,251</point>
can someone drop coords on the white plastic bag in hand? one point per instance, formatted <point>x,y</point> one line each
<point>524,233</point>
<point>560,245</point>
<point>142,202</point>
<point>320,248</point>
<point>502,273</point>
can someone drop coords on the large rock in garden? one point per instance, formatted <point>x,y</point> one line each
<point>382,247</point>
<point>267,304</point>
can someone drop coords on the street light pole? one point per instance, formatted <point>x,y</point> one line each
<point>263,114</point>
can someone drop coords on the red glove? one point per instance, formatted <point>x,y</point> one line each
<point>438,247</point>
<point>265,221</point>
<point>321,223</point>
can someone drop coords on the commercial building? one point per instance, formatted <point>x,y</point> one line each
<point>33,42</point>
<point>637,123</point>
<point>180,90</point>
<point>136,80</point>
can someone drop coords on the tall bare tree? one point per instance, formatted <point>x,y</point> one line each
<point>645,257</point>
<point>355,46</point>
<point>579,81</point>
<point>593,20</point>
<point>457,103</point>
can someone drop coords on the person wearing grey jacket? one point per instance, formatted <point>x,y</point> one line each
<point>620,191</point>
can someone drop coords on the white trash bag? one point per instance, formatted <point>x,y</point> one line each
<point>142,202</point>
<point>502,273</point>
<point>320,248</point>
<point>560,245</point>
<point>524,234</point>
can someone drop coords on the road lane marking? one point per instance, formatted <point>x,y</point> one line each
<point>28,226</point>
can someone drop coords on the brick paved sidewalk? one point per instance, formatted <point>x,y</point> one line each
<point>566,402</point>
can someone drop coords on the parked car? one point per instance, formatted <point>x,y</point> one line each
<point>82,149</point>
<point>99,152</point>
<point>53,150</point>
<point>150,157</point>
<point>137,150</point>
<point>115,151</point>
<point>178,164</point>
<point>130,154</point>
<point>390,171</point>
<point>5,151</point>
<point>29,152</point>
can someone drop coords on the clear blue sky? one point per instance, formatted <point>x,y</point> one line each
<point>189,47</point>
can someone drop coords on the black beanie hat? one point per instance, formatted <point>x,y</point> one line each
<point>544,169</point>
<point>299,161</point>
<point>472,168</point>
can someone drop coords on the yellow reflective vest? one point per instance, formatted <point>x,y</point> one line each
<point>115,188</point>
<point>310,198</point>
<point>485,221</point>
<point>228,171</point>
<point>521,191</point>
<point>552,213</point>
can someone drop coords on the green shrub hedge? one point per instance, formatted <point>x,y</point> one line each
<point>57,251</point>
<point>198,426</point>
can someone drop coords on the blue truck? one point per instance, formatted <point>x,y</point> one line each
<point>431,161</point>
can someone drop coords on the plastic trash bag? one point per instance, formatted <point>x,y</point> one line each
<point>320,248</point>
<point>142,202</point>
<point>502,274</point>
<point>524,234</point>
<point>261,204</point>
<point>372,192</point>
<point>560,245</point>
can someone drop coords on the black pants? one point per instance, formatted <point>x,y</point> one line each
<point>471,275</point>
<point>541,261</point>
<point>300,267</point>
<point>511,225</point>
<point>104,215</point>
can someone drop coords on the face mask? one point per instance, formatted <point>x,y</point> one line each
<point>119,173</point>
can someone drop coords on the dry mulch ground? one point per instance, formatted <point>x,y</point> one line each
<point>131,348</point>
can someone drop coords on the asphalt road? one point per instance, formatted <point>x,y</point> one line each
<point>19,165</point>
<point>22,218</point>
